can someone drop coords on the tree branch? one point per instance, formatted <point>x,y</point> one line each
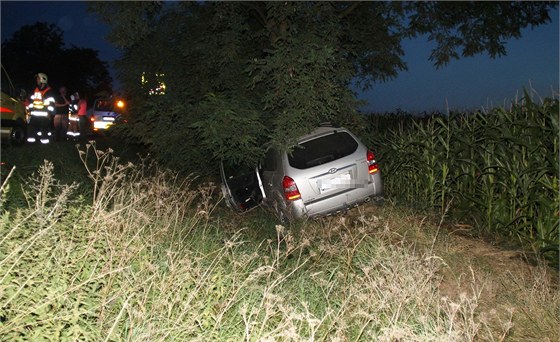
<point>349,9</point>
<point>261,17</point>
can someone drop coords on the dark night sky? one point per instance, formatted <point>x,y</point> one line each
<point>470,83</point>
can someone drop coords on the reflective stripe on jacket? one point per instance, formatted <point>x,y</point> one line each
<point>42,102</point>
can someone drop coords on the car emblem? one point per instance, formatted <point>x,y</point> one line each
<point>333,170</point>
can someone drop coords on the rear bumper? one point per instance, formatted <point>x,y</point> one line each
<point>102,125</point>
<point>338,203</point>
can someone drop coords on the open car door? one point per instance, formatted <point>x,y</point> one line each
<point>241,186</point>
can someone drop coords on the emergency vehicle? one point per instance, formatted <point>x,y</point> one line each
<point>14,115</point>
<point>106,112</point>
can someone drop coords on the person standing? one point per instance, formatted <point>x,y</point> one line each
<point>83,119</point>
<point>41,110</point>
<point>73,128</point>
<point>61,117</point>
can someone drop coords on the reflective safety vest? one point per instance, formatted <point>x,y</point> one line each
<point>42,104</point>
<point>73,108</point>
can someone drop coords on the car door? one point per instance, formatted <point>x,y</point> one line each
<point>242,187</point>
<point>272,174</point>
<point>268,171</point>
<point>13,112</point>
<point>226,192</point>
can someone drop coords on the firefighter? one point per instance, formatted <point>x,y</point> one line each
<point>41,111</point>
<point>73,128</point>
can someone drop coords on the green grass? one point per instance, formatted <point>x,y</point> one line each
<point>148,255</point>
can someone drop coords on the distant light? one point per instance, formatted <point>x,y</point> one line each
<point>159,86</point>
<point>120,104</point>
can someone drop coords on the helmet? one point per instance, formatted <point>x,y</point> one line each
<point>42,78</point>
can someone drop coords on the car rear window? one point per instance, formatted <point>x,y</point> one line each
<point>104,106</point>
<point>322,150</point>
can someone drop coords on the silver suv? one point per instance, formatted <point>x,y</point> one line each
<point>329,171</point>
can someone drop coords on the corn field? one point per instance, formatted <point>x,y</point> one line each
<point>496,171</point>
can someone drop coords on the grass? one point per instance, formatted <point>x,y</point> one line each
<point>152,256</point>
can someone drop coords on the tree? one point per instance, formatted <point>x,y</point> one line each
<point>40,48</point>
<point>292,62</point>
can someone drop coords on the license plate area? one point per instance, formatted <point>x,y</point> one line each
<point>336,182</point>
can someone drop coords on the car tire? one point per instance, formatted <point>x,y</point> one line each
<point>279,213</point>
<point>378,201</point>
<point>17,136</point>
<point>225,195</point>
<point>282,217</point>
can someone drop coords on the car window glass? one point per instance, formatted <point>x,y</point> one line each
<point>104,106</point>
<point>322,150</point>
<point>236,170</point>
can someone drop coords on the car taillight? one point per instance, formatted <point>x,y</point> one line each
<point>372,164</point>
<point>291,191</point>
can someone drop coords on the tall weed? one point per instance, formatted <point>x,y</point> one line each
<point>150,260</point>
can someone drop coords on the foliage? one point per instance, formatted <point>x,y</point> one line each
<point>40,48</point>
<point>231,129</point>
<point>467,28</point>
<point>293,62</point>
<point>299,86</point>
<point>497,171</point>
